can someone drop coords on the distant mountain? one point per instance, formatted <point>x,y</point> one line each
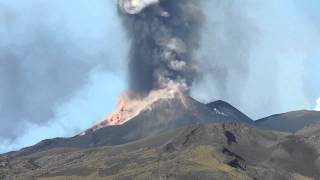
<point>221,151</point>
<point>162,115</point>
<point>226,109</point>
<point>289,122</point>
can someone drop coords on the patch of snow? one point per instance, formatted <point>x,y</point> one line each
<point>219,112</point>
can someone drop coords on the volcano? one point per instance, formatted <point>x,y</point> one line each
<point>163,110</point>
<point>169,108</point>
<point>172,136</point>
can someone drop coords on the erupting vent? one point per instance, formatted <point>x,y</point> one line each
<point>129,108</point>
<point>163,34</point>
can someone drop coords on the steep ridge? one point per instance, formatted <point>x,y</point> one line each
<point>199,151</point>
<point>289,122</point>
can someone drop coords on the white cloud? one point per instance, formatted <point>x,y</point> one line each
<point>318,105</point>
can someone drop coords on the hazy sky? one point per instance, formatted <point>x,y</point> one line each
<point>63,63</point>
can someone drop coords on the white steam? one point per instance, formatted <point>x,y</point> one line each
<point>260,62</point>
<point>317,105</point>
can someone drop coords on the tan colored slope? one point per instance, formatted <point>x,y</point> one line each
<point>199,160</point>
<point>138,164</point>
<point>204,151</point>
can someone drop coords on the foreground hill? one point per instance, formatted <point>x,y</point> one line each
<point>203,151</point>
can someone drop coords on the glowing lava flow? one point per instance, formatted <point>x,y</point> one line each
<point>129,108</point>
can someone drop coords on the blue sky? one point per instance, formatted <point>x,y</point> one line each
<point>89,105</point>
<point>83,46</point>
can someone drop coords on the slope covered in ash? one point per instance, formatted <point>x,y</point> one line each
<point>201,151</point>
<point>162,115</point>
<point>289,122</point>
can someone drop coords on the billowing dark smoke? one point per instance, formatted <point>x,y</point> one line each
<point>164,34</point>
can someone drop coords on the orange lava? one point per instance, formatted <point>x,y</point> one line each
<point>128,108</point>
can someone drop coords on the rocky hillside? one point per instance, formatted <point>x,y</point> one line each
<point>203,151</point>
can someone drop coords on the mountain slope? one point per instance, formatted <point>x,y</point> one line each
<point>226,109</point>
<point>289,122</point>
<point>162,115</point>
<point>203,151</point>
<point>311,135</point>
<point>177,137</point>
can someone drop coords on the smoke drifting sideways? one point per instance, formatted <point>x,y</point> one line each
<point>48,50</point>
<point>164,34</point>
<point>229,35</point>
<point>260,56</point>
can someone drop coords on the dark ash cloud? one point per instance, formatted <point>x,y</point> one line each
<point>163,38</point>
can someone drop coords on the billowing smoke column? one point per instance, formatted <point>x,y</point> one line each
<point>164,34</point>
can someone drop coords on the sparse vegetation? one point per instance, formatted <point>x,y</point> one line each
<point>195,152</point>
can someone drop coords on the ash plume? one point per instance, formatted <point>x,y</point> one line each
<point>164,35</point>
